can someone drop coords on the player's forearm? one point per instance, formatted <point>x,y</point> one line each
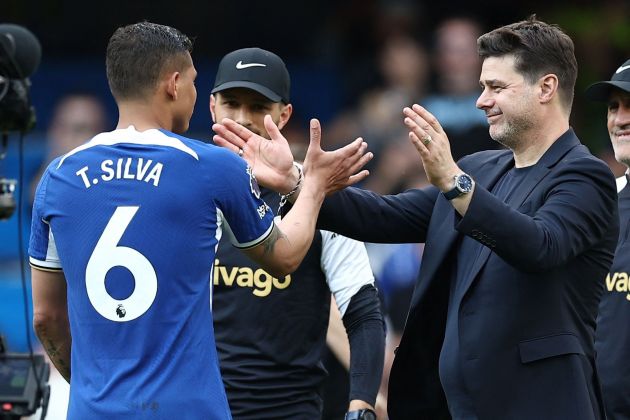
<point>57,342</point>
<point>50,317</point>
<point>298,225</point>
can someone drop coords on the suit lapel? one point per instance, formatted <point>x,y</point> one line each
<point>541,169</point>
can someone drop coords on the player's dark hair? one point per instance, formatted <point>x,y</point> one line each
<point>138,54</point>
<point>539,48</point>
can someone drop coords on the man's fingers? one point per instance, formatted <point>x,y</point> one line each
<point>315,133</point>
<point>416,122</point>
<point>271,127</point>
<point>353,148</point>
<point>419,145</point>
<point>357,177</point>
<point>428,118</point>
<point>355,170</point>
<point>226,133</point>
<point>363,160</point>
<point>220,141</point>
<point>237,129</point>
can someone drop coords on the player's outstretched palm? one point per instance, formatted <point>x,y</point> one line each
<point>271,159</point>
<point>337,169</point>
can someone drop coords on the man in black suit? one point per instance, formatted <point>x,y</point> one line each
<point>502,319</point>
<point>612,340</point>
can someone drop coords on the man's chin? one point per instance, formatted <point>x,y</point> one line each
<point>500,137</point>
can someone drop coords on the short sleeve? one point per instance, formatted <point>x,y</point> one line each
<point>346,265</point>
<point>42,250</point>
<point>248,217</point>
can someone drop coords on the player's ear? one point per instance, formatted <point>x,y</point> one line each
<point>285,115</point>
<point>171,84</point>
<point>213,103</point>
<point>548,87</point>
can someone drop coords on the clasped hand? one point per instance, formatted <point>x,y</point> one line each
<point>272,161</point>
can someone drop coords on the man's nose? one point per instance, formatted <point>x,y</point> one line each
<point>484,100</point>
<point>623,114</point>
<point>243,117</point>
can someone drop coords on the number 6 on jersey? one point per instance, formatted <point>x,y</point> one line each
<point>107,255</point>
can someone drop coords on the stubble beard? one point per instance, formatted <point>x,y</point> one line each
<point>622,152</point>
<point>510,132</point>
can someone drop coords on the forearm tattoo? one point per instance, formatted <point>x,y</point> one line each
<point>58,352</point>
<point>270,243</point>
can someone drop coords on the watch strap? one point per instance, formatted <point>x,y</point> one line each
<point>451,194</point>
<point>360,414</point>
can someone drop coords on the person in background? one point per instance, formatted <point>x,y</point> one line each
<point>456,66</point>
<point>125,229</point>
<point>612,338</point>
<point>77,117</point>
<point>271,331</point>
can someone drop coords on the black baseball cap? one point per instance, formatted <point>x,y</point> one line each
<point>600,91</point>
<point>256,69</point>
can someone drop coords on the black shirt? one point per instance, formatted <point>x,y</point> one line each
<point>612,339</point>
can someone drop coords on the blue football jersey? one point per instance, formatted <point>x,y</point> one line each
<point>133,219</point>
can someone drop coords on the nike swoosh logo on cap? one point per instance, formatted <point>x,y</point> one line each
<point>622,68</point>
<point>241,66</point>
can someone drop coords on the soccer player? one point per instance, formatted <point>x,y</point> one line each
<point>124,232</point>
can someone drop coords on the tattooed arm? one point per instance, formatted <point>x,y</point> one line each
<point>284,249</point>
<point>50,317</point>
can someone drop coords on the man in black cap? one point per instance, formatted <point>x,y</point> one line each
<point>271,332</point>
<point>612,340</point>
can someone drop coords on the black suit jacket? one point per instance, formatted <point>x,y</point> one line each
<point>527,319</point>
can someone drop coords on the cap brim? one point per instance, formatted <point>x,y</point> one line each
<point>600,91</point>
<point>267,93</point>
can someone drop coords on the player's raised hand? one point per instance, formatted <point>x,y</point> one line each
<point>431,142</point>
<point>271,159</point>
<point>338,169</point>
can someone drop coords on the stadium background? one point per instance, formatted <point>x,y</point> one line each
<point>330,48</point>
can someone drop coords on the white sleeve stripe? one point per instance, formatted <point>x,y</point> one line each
<point>256,241</point>
<point>45,264</point>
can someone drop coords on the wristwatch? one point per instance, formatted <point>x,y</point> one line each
<point>463,185</point>
<point>363,414</point>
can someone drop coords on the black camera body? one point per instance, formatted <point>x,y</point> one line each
<point>23,377</point>
<point>16,112</point>
<point>20,53</point>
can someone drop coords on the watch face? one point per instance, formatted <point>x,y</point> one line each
<point>464,183</point>
<point>368,415</point>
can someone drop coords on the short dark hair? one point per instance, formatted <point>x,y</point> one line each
<point>138,54</point>
<point>539,48</point>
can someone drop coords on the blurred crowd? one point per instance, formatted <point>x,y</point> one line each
<point>439,70</point>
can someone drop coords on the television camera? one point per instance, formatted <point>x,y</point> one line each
<point>23,376</point>
<point>20,53</point>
